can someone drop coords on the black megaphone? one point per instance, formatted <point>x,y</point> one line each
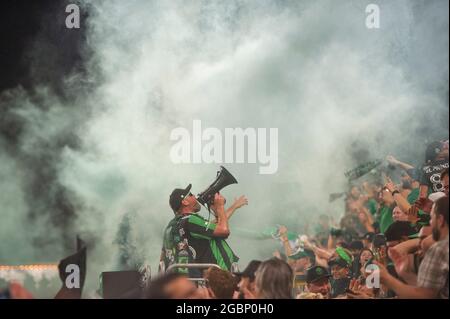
<point>223,179</point>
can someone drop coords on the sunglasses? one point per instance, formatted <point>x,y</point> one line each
<point>188,195</point>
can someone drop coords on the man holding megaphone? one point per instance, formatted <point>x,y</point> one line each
<point>190,238</point>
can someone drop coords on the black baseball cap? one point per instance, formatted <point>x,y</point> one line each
<point>398,230</point>
<point>379,240</point>
<point>178,194</point>
<point>315,273</point>
<point>356,245</point>
<point>249,271</point>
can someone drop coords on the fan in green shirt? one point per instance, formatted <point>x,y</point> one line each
<point>189,238</point>
<point>385,211</point>
<point>386,219</point>
<point>372,206</point>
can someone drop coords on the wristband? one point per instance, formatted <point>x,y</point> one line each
<point>395,192</point>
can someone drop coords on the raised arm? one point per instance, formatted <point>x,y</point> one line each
<point>401,201</point>
<point>238,203</point>
<point>407,247</point>
<point>402,290</point>
<point>284,238</point>
<point>222,229</point>
<point>392,160</point>
<point>319,252</point>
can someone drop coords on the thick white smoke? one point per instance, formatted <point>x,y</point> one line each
<point>309,68</point>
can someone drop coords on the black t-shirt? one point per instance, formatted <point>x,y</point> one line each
<point>431,175</point>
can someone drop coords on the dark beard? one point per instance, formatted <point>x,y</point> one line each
<point>436,234</point>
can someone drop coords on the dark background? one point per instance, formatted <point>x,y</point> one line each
<point>22,25</point>
<point>30,30</point>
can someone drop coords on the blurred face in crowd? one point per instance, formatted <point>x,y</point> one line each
<point>181,288</point>
<point>339,272</point>
<point>399,215</point>
<point>365,256</point>
<point>444,181</point>
<point>437,222</point>
<point>353,206</point>
<point>443,154</point>
<point>321,286</point>
<point>354,192</point>
<point>425,239</point>
<point>247,283</point>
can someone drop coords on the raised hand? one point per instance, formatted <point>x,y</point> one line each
<point>382,270</point>
<point>240,201</point>
<point>219,200</point>
<point>358,291</point>
<point>282,230</point>
<point>353,284</point>
<point>413,213</point>
<point>424,204</point>
<point>390,185</point>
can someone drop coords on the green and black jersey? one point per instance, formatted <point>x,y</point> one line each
<point>190,239</point>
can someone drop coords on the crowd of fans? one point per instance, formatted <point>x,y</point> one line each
<point>392,242</point>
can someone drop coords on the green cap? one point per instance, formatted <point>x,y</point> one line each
<point>343,258</point>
